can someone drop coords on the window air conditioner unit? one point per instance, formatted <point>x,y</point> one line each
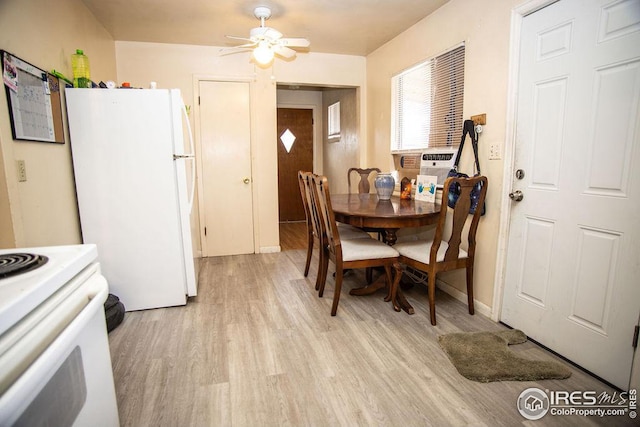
<point>438,162</point>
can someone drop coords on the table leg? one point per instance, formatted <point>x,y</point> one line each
<point>398,300</point>
<point>379,283</point>
<point>397,297</point>
<point>390,236</point>
<point>401,300</point>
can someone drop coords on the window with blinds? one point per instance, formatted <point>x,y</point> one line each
<point>426,108</point>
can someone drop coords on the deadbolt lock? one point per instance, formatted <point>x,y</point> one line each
<point>520,174</point>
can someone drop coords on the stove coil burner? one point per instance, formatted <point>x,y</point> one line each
<point>18,263</point>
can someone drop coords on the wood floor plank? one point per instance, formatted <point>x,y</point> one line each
<point>257,346</point>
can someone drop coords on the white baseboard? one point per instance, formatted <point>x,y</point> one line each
<point>461,296</point>
<point>269,249</point>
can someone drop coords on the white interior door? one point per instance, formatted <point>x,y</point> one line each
<point>572,267</point>
<point>225,134</point>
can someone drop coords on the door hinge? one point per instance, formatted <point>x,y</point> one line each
<point>198,100</point>
<point>205,231</point>
<point>635,336</point>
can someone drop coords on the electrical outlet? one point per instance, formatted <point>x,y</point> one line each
<point>22,171</point>
<point>494,151</point>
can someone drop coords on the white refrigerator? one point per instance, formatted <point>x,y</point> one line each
<point>134,195</point>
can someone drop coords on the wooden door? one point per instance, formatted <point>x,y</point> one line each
<point>293,123</point>
<point>225,133</point>
<point>572,267</point>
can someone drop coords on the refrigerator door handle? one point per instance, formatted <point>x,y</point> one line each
<point>182,156</point>
<point>190,156</point>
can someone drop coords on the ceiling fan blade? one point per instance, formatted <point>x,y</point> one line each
<point>294,42</point>
<point>243,46</point>
<point>258,32</point>
<point>272,33</point>
<point>265,33</point>
<point>239,38</point>
<point>236,49</point>
<point>284,52</point>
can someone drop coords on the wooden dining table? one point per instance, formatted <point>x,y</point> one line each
<point>367,211</point>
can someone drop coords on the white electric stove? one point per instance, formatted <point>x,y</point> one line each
<point>54,349</point>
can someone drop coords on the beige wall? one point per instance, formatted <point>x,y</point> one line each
<point>484,25</point>
<point>180,66</point>
<point>42,211</point>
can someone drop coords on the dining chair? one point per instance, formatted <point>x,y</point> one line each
<point>363,186</point>
<point>346,254</point>
<point>438,253</point>
<point>313,226</point>
<point>314,229</point>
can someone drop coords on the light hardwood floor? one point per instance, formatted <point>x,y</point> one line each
<point>257,347</point>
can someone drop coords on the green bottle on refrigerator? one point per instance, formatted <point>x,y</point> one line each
<point>81,72</point>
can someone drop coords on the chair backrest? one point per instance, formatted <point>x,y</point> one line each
<point>363,186</point>
<point>303,194</point>
<point>310,209</point>
<point>461,212</point>
<point>325,212</point>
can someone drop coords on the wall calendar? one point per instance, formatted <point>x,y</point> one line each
<point>33,98</point>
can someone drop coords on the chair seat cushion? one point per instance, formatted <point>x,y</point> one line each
<point>348,232</point>
<point>362,249</point>
<point>420,250</point>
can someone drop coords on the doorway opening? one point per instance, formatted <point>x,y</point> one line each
<point>323,156</point>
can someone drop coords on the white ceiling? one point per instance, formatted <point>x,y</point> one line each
<point>352,27</point>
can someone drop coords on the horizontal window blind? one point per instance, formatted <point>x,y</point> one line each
<point>427,103</point>
<point>334,120</point>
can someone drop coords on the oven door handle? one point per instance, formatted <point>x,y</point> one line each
<point>49,337</point>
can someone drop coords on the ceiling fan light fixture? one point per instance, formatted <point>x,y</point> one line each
<point>268,42</point>
<point>263,53</point>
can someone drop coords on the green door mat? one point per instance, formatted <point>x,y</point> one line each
<point>486,357</point>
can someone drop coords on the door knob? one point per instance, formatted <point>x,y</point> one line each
<point>246,180</point>
<point>516,196</point>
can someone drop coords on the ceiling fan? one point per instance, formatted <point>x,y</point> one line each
<point>266,41</point>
